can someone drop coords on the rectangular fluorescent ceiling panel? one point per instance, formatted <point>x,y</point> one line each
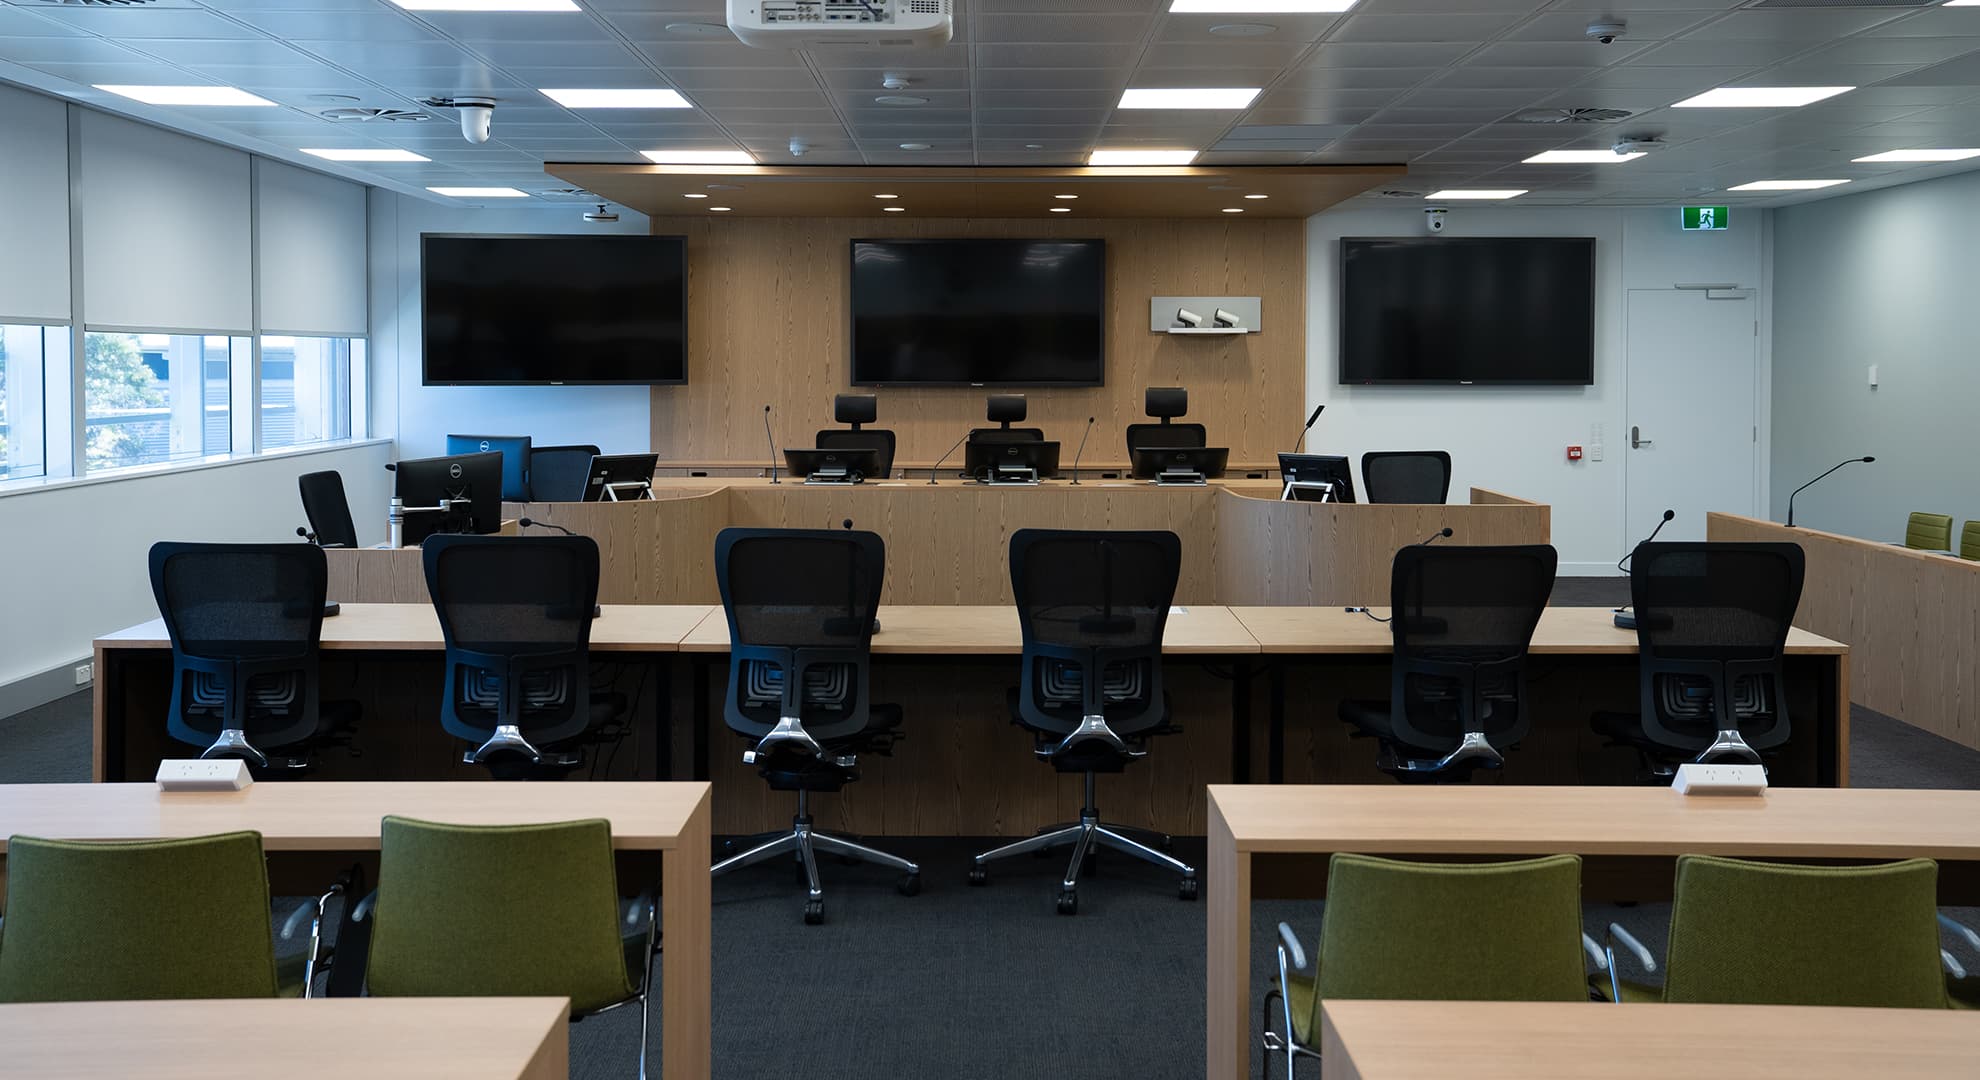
<point>1258,7</point>
<point>488,5</point>
<point>1141,157</point>
<point>1477,193</point>
<point>479,192</point>
<point>1923,155</point>
<point>1787,185</point>
<point>1581,157</point>
<point>366,155</point>
<point>1761,97</point>
<point>187,95</point>
<point>618,99</point>
<point>698,157</point>
<point>1214,98</point>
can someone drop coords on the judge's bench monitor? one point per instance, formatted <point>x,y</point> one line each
<point>1316,478</point>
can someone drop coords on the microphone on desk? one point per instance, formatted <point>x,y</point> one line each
<point>532,523</point>
<point>1625,618</point>
<point>936,469</point>
<point>1441,534</point>
<point>1310,421</point>
<point>772,440</point>
<point>1819,479</point>
<point>1082,449</point>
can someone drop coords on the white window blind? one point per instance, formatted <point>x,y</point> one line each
<point>312,253</point>
<point>34,208</point>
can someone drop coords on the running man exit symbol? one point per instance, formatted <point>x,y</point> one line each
<point>1705,218</point>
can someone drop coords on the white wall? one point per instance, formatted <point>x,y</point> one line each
<point>614,418</point>
<point>1888,278</point>
<point>1515,439</point>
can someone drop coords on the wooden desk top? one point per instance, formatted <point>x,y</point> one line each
<point>335,816</point>
<point>1562,631</point>
<point>324,1039</point>
<point>993,631</point>
<point>1841,823</point>
<point>1775,531</point>
<point>622,628</point>
<point>1450,1040</point>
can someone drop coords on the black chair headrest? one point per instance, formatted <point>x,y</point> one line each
<point>855,409</point>
<point>1007,408</point>
<point>1167,402</point>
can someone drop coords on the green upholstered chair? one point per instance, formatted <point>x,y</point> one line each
<point>135,920</point>
<point>1753,933</point>
<point>1969,540</point>
<point>508,911</point>
<point>1929,532</point>
<point>1508,931</point>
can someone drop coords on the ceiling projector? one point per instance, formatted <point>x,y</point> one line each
<point>871,24</point>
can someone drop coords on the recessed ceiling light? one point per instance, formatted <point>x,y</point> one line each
<point>186,95</point>
<point>895,209</point>
<point>1034,146</point>
<point>1257,196</point>
<point>1787,185</point>
<point>1761,97</point>
<point>899,99</point>
<point>698,157</point>
<point>1923,155</point>
<point>718,209</point>
<point>1258,7</point>
<point>1233,209</point>
<point>1141,157</point>
<point>1477,193</point>
<point>694,195</point>
<point>1581,157</point>
<point>1229,97</point>
<point>914,146</point>
<point>724,187</point>
<point>487,5</point>
<point>886,196</point>
<point>1067,197</point>
<point>1243,29</point>
<point>365,155</point>
<point>1061,209</point>
<point>479,192</point>
<point>618,99</point>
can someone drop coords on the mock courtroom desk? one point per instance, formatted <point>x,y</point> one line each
<point>308,829</point>
<point>384,655</point>
<point>1274,842</point>
<point>327,1039</point>
<point>1502,1040</point>
<point>1316,657</point>
<point>1912,620</point>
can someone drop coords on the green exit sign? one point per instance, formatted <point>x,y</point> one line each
<point>1705,218</point>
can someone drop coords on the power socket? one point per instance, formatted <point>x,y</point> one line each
<point>226,774</point>
<point>1696,779</point>
<point>85,673</point>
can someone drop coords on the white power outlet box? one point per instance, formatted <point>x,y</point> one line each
<point>1696,779</point>
<point>86,673</point>
<point>195,775</point>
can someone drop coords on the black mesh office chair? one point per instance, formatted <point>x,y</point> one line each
<point>516,613</point>
<point>1462,621</point>
<point>1092,606</point>
<point>559,473</point>
<point>858,409</point>
<point>1005,410</point>
<point>800,605</point>
<point>1406,476</point>
<point>1712,624</point>
<point>329,513</point>
<point>1166,403</point>
<point>245,621</point>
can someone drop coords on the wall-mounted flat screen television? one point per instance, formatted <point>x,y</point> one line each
<point>979,312</point>
<point>1468,311</point>
<point>549,310</point>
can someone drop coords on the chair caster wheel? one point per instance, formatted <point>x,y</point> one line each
<point>909,885</point>
<point>814,912</point>
<point>979,876</point>
<point>1189,889</point>
<point>1068,903</point>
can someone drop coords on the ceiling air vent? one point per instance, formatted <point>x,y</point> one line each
<point>379,116</point>
<point>1573,116</point>
<point>1396,193</point>
<point>96,3</point>
<point>568,193</point>
<point>1843,3</point>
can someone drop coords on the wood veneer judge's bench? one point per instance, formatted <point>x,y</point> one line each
<point>948,543</point>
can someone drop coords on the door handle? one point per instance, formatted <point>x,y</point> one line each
<point>1636,439</point>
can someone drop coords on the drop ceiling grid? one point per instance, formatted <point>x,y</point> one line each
<point>1429,82</point>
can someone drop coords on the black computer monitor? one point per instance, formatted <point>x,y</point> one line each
<point>620,477</point>
<point>1152,461</point>
<point>472,478</point>
<point>515,459</point>
<point>849,465</point>
<point>1305,475</point>
<point>979,458</point>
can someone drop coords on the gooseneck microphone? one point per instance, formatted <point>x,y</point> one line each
<point>1082,449</point>
<point>1623,563</point>
<point>1310,421</point>
<point>1819,479</point>
<point>532,523</point>
<point>1441,534</point>
<point>772,440</point>
<point>936,469</point>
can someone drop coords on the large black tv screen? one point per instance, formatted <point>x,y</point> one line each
<point>533,310</point>
<point>979,312</point>
<point>1486,310</point>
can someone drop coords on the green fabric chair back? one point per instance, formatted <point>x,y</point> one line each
<point>1749,933</point>
<point>1507,931</point>
<point>501,911</point>
<point>136,920</point>
<point>1969,540</point>
<point>1929,532</point>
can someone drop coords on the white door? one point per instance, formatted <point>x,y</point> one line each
<point>1692,438</point>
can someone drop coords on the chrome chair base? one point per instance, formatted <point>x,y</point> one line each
<point>1086,836</point>
<point>806,842</point>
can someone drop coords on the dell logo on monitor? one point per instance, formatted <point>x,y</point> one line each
<point>484,446</point>
<point>454,470</point>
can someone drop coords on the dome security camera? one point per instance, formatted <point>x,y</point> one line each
<point>477,118</point>
<point>1433,218</point>
<point>798,147</point>
<point>1607,32</point>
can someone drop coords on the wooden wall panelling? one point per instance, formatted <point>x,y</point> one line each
<point>376,576</point>
<point>659,551</point>
<point>768,302</point>
<point>1488,497</point>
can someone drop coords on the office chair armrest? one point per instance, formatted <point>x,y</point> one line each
<point>1628,941</point>
<point>1962,931</point>
<point>1952,964</point>
<point>315,911</point>
<point>1595,954</point>
<point>1289,947</point>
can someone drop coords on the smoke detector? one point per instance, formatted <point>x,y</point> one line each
<point>601,215</point>
<point>368,115</point>
<point>1573,116</point>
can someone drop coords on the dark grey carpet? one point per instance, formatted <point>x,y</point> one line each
<point>991,982</point>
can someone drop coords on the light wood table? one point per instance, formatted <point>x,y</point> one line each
<point>1472,1040</point>
<point>330,1039</point>
<point>1192,630</point>
<point>670,821</point>
<point>643,628</point>
<point>1276,840</point>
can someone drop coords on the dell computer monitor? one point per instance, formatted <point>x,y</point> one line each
<point>515,459</point>
<point>981,457</point>
<point>1316,478</point>
<point>620,477</point>
<point>1152,461</point>
<point>855,463</point>
<point>424,482</point>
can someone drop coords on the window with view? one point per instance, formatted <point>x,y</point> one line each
<point>306,389</point>
<point>152,398</point>
<point>24,354</point>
